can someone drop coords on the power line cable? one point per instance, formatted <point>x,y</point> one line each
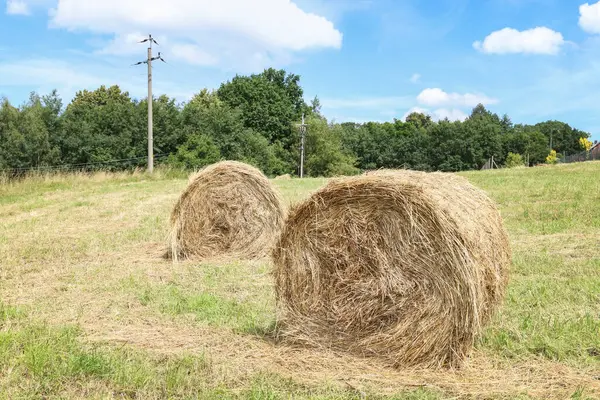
<point>79,165</point>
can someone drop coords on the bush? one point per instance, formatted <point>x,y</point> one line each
<point>514,160</point>
<point>257,151</point>
<point>198,151</point>
<point>552,157</point>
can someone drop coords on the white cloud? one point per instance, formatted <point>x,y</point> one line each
<point>192,54</point>
<point>125,44</point>
<point>539,40</point>
<point>17,7</point>
<point>355,119</point>
<point>434,102</point>
<point>364,109</point>
<point>438,114</point>
<point>129,44</point>
<point>45,74</point>
<point>27,7</point>
<point>367,102</point>
<point>276,24</point>
<point>451,114</point>
<point>415,110</point>
<point>415,78</point>
<point>589,17</point>
<point>236,35</point>
<point>435,97</point>
<point>334,10</point>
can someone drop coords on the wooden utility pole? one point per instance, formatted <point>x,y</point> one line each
<point>148,61</point>
<point>150,124</point>
<point>302,134</point>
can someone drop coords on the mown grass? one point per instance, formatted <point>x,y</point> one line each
<point>87,230</point>
<point>42,361</point>
<point>242,316</point>
<point>553,303</point>
<point>38,359</point>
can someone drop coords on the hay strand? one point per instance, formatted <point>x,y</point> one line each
<point>406,266</point>
<point>228,209</point>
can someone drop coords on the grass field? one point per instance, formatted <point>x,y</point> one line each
<point>90,309</point>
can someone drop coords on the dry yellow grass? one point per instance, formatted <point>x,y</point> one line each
<point>88,252</point>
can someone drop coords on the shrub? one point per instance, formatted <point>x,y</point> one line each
<point>198,151</point>
<point>552,158</point>
<point>514,160</point>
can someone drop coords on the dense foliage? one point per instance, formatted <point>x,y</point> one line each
<point>254,119</point>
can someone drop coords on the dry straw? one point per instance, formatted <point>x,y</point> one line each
<point>407,266</point>
<point>228,209</point>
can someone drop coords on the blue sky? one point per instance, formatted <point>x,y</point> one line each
<point>366,59</point>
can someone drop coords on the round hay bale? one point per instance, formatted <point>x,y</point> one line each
<point>403,265</point>
<point>228,208</point>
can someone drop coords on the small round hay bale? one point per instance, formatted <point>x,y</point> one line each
<point>403,265</point>
<point>228,208</point>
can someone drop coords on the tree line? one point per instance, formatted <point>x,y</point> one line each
<point>255,119</point>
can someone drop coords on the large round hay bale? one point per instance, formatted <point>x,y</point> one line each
<point>407,266</point>
<point>228,208</point>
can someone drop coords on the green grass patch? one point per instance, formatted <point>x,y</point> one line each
<point>543,201</point>
<point>38,360</point>
<point>72,227</point>
<point>208,308</point>
<point>42,361</point>
<point>551,310</point>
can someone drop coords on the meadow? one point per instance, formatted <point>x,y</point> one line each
<point>89,308</point>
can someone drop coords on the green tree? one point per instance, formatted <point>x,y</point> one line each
<point>325,155</point>
<point>412,144</point>
<point>36,121</point>
<point>53,107</point>
<point>100,97</point>
<point>11,139</point>
<point>482,137</point>
<point>389,145</point>
<point>315,107</point>
<point>357,140</point>
<point>451,147</point>
<point>564,138</point>
<point>168,133</point>
<point>208,116</point>
<point>24,135</point>
<point>419,120</point>
<point>270,103</point>
<point>198,151</point>
<point>514,160</point>
<point>375,145</point>
<point>99,127</point>
<point>527,141</point>
<point>261,154</point>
